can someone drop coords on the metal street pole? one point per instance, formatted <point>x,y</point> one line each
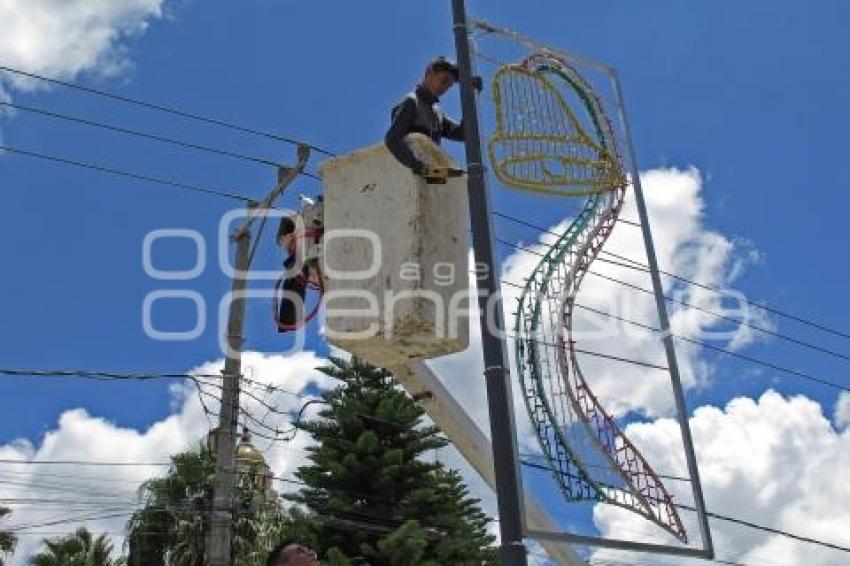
<point>496,366</point>
<point>221,515</point>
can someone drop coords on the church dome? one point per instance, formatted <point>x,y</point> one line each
<point>246,453</point>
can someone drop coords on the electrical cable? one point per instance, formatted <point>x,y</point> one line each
<point>751,359</point>
<point>644,268</point>
<point>167,109</point>
<point>145,135</point>
<point>727,518</point>
<point>128,174</point>
<point>97,374</point>
<point>608,467</point>
<point>90,463</point>
<point>718,349</point>
<point>687,304</point>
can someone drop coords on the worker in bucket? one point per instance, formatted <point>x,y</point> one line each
<point>299,234</point>
<point>419,112</point>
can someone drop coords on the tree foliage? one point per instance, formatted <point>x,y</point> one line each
<point>8,540</point>
<point>78,549</point>
<point>371,494</point>
<point>172,524</point>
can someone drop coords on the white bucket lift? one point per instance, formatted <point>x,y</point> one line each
<point>396,257</point>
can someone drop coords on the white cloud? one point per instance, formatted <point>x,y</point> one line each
<point>776,462</point>
<point>63,39</point>
<point>841,415</point>
<point>684,246</point>
<point>99,491</point>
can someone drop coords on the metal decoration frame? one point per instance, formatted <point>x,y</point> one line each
<point>558,276</point>
<point>542,154</point>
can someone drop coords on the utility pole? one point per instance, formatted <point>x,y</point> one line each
<point>496,366</point>
<point>221,515</point>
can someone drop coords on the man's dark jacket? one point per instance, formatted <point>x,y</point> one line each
<point>419,112</point>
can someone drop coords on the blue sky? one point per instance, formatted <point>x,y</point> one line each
<point>753,94</point>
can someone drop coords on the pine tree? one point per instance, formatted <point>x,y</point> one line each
<point>370,494</point>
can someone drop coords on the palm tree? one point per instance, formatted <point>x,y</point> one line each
<point>7,539</point>
<point>172,523</point>
<point>78,549</point>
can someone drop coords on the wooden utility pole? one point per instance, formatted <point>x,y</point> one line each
<point>218,541</point>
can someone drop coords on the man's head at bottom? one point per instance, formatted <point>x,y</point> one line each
<point>292,554</point>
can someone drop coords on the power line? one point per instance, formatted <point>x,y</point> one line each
<point>88,491</point>
<point>592,353</point>
<point>727,518</point>
<point>97,374</point>
<point>137,133</point>
<point>771,530</point>
<point>153,137</point>
<point>109,505</point>
<point>690,305</point>
<point>766,308</point>
<point>617,562</point>
<point>92,463</point>
<point>751,359</point>
<point>88,517</point>
<point>606,467</point>
<point>119,376</point>
<point>167,109</point>
<point>279,435</point>
<point>629,222</point>
<point>110,500</point>
<point>718,516</point>
<point>615,358</point>
<point>128,174</point>
<point>521,222</point>
<point>638,266</point>
<point>744,323</point>
<point>348,515</point>
<point>643,267</point>
<point>198,378</point>
<point>581,350</point>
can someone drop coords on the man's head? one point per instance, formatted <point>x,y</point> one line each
<point>440,75</point>
<point>292,554</point>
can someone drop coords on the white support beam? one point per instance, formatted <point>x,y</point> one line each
<point>473,444</point>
